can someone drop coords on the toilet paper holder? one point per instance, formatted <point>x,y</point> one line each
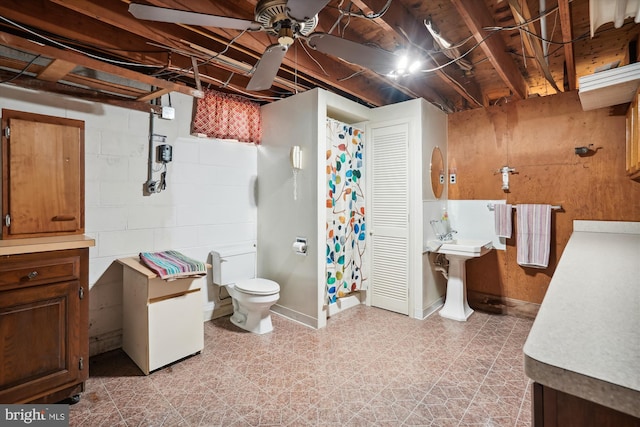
<point>300,246</point>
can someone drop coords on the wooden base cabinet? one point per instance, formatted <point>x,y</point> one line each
<point>553,408</point>
<point>44,326</point>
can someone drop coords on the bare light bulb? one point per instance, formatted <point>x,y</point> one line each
<point>415,66</point>
<point>405,64</point>
<point>403,61</point>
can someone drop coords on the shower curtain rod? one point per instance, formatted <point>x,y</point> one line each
<point>492,207</point>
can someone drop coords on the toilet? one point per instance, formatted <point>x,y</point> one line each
<point>235,269</point>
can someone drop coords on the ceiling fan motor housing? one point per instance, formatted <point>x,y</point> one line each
<point>272,15</point>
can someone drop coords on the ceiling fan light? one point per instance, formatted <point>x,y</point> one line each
<point>415,66</point>
<point>285,36</point>
<point>403,62</point>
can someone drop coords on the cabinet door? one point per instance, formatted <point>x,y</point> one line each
<point>633,138</point>
<point>43,177</point>
<point>39,342</point>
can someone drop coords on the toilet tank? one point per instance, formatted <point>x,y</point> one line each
<point>236,263</point>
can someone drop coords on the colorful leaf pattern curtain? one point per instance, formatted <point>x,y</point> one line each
<point>346,236</point>
<point>225,116</point>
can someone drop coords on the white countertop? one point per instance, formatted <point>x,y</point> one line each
<point>585,340</point>
<point>44,244</point>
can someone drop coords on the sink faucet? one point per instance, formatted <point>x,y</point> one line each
<point>448,237</point>
<point>442,231</point>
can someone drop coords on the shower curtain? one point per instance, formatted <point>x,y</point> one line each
<point>345,210</point>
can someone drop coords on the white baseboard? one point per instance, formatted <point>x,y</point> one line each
<point>295,316</point>
<point>432,308</point>
<point>345,303</point>
<point>210,312</point>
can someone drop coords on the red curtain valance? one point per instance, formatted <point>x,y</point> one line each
<point>224,116</point>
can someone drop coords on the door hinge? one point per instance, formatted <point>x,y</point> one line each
<point>7,132</point>
<point>7,220</point>
<point>81,363</point>
<point>81,292</point>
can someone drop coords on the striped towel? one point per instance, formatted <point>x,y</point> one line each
<point>502,216</point>
<point>534,235</point>
<point>170,265</point>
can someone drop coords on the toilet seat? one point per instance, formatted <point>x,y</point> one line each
<point>257,286</point>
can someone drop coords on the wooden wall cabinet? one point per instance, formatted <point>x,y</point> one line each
<point>42,175</point>
<point>44,325</point>
<point>633,139</point>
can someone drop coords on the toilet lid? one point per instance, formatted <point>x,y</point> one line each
<point>258,286</point>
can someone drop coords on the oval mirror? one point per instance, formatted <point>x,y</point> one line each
<point>437,172</point>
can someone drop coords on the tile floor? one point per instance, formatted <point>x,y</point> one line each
<point>369,367</point>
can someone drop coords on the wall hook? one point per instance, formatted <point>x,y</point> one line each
<point>586,151</point>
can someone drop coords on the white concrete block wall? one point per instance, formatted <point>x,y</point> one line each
<point>209,201</point>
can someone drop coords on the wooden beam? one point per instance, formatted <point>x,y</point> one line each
<point>153,95</point>
<point>533,45</point>
<point>94,64</point>
<point>564,10</point>
<point>196,73</point>
<point>401,21</point>
<point>477,16</point>
<point>56,70</point>
<point>86,94</point>
<point>95,84</point>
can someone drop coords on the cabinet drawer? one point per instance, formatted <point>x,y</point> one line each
<point>33,271</point>
<point>161,289</point>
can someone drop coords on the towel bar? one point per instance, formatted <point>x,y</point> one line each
<point>492,207</point>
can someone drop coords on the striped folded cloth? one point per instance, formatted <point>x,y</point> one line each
<point>502,215</point>
<point>170,265</point>
<point>534,235</point>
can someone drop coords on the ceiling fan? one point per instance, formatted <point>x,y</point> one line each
<point>288,21</point>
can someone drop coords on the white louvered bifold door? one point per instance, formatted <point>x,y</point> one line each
<point>389,217</point>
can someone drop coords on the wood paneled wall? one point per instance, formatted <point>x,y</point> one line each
<point>537,137</point>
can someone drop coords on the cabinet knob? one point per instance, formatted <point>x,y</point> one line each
<point>32,275</point>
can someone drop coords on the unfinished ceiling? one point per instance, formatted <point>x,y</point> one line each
<point>98,50</point>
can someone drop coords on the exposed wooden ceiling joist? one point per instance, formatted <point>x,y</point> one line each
<point>494,70</point>
<point>477,17</point>
<point>567,37</point>
<point>531,39</point>
<point>77,79</point>
<point>108,11</point>
<point>402,23</point>
<point>77,92</point>
<point>56,70</point>
<point>76,58</point>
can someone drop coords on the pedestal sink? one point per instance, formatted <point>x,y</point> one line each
<point>457,252</point>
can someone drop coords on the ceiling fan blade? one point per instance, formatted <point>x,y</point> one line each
<point>174,16</point>
<point>373,58</point>
<point>267,68</point>
<point>301,10</point>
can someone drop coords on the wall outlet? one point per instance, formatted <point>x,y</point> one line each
<point>453,178</point>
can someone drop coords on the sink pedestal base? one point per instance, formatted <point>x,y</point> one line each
<point>456,306</point>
